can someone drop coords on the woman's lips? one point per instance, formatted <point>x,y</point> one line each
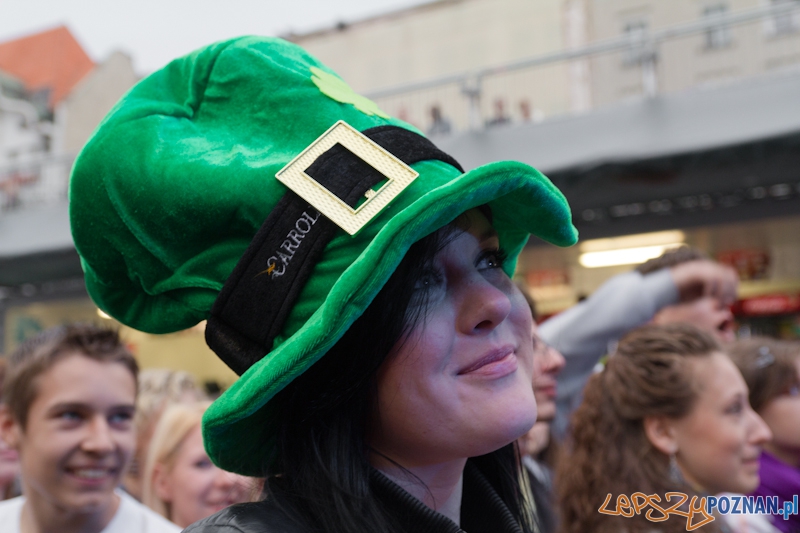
<point>495,364</point>
<point>549,390</point>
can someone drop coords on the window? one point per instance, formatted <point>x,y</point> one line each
<point>636,32</point>
<point>787,21</point>
<point>717,35</point>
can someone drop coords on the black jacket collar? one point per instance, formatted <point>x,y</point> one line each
<point>482,510</point>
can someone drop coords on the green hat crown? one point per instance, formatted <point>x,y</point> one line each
<point>171,189</point>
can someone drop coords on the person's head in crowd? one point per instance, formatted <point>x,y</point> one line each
<point>9,458</point>
<point>547,363</point>
<point>669,412</point>
<point>158,387</point>
<point>703,306</point>
<point>181,482</point>
<point>70,396</point>
<point>771,369</point>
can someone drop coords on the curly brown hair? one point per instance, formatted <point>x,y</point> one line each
<point>651,374</point>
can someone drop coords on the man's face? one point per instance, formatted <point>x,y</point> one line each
<point>79,434</point>
<point>707,313</point>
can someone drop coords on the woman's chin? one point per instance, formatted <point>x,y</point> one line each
<point>515,424</point>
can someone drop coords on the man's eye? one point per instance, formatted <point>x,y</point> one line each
<point>121,418</point>
<point>69,416</point>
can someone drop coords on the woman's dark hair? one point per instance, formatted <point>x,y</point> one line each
<point>321,477</point>
<point>768,367</point>
<point>651,374</point>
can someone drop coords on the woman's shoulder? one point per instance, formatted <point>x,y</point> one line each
<point>256,517</point>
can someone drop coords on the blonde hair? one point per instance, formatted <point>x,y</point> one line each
<point>158,387</point>
<point>175,424</point>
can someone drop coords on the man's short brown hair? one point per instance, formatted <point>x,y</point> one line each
<point>38,354</point>
<point>671,258</point>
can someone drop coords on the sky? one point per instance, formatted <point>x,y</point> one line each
<point>153,32</point>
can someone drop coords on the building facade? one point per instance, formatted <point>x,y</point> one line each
<point>448,38</point>
<point>651,116</point>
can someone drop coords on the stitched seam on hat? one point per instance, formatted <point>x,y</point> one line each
<point>207,78</point>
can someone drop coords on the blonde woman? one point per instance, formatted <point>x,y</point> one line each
<point>181,482</point>
<point>158,388</point>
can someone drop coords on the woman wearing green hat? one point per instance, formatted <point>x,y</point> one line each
<point>353,275</point>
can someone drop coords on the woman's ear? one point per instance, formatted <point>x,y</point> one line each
<point>9,428</point>
<point>162,485</point>
<point>660,431</point>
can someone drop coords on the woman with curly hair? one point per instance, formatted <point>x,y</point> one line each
<point>669,413</point>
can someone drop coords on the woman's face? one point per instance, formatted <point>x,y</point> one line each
<point>461,384</point>
<point>547,363</point>
<point>720,440</point>
<point>782,415</point>
<point>195,488</point>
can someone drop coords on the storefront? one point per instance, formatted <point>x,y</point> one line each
<point>765,253</point>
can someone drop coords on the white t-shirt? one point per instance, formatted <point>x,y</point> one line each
<point>131,517</point>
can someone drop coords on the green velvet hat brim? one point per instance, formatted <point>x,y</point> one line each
<point>239,427</point>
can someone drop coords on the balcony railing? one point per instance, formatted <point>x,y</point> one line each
<point>720,47</point>
<point>40,181</point>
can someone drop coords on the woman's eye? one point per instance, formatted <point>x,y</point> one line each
<point>735,408</point>
<point>794,391</point>
<point>492,258</point>
<point>203,463</point>
<point>427,280</point>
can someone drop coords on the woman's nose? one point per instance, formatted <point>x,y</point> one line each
<point>483,306</point>
<point>554,360</point>
<point>760,432</point>
<point>226,479</point>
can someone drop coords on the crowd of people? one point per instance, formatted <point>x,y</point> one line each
<point>392,376</point>
<point>77,414</point>
<point>675,406</point>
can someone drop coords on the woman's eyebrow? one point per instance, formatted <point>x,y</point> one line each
<point>490,233</point>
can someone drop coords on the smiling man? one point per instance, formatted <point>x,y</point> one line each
<point>69,405</point>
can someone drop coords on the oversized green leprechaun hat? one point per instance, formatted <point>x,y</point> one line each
<point>248,185</point>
